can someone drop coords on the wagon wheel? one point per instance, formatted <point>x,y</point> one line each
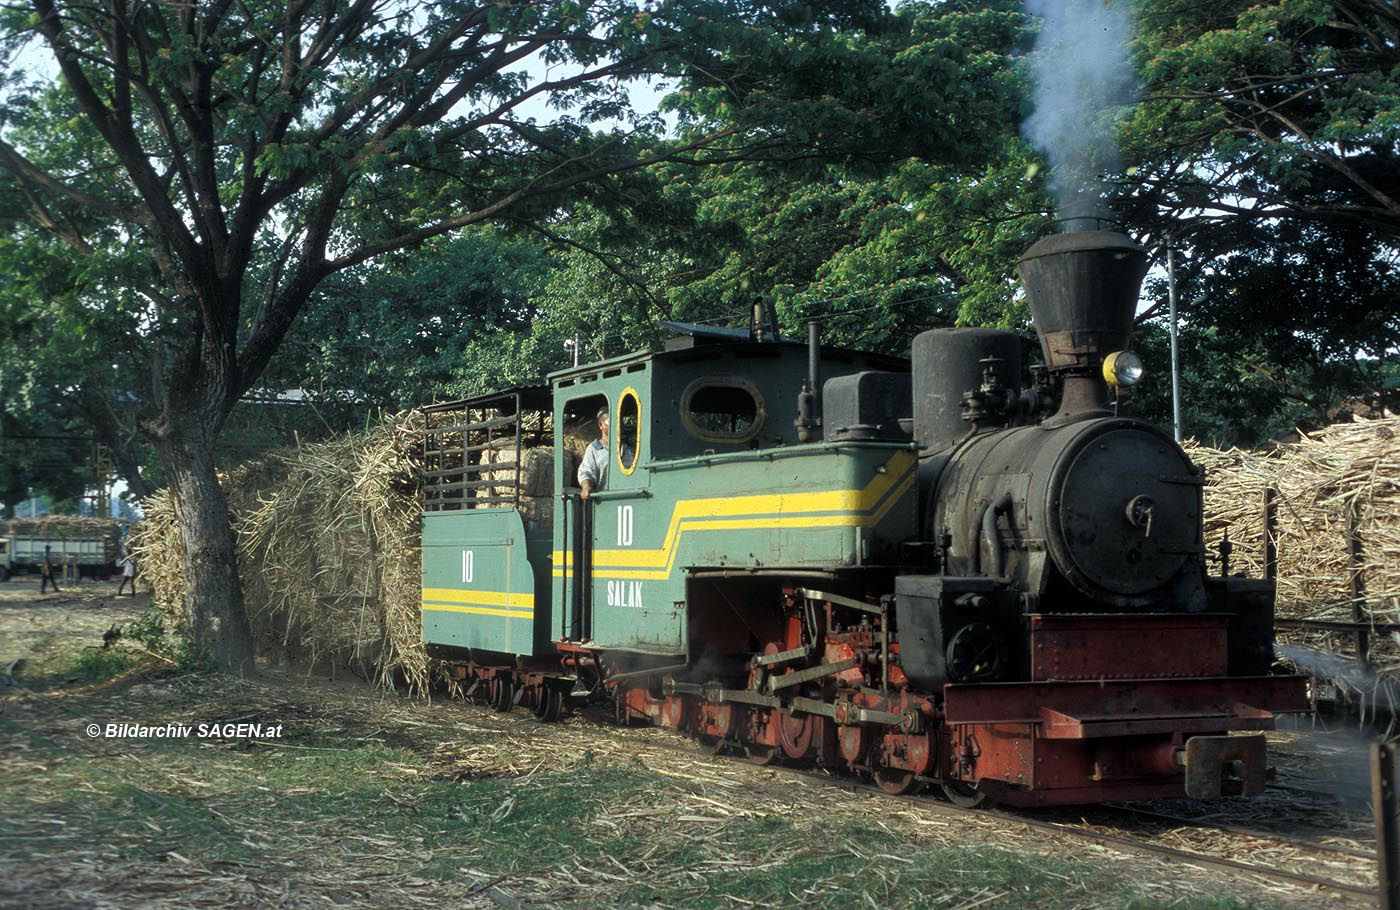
<point>502,694</point>
<point>852,742</point>
<point>761,754</point>
<point>965,796</point>
<point>794,733</point>
<point>895,781</point>
<point>715,745</point>
<point>550,705</point>
<point>724,722</point>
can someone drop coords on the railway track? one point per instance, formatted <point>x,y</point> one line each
<point>1088,831</point>
<point>1142,845</point>
<point>1183,821</point>
<point>1115,826</point>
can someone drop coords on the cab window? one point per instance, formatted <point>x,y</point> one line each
<point>728,409</point>
<point>580,429</point>
<point>629,430</point>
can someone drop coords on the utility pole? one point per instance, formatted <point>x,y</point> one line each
<point>1176,363</point>
<point>101,473</point>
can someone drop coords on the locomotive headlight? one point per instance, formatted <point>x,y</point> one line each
<point>1122,368</point>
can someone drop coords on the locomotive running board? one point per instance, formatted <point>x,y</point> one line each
<point>1127,707</point>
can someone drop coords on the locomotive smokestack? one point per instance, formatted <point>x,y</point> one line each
<point>1082,288</point>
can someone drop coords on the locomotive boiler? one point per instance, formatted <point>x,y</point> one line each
<point>937,572</point>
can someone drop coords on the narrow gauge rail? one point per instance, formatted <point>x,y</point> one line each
<point>603,724</point>
<point>1204,859</point>
<point>1183,821</point>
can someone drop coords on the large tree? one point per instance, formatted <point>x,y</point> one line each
<point>1266,151</point>
<point>209,164</point>
<point>907,214</point>
<point>1281,110</point>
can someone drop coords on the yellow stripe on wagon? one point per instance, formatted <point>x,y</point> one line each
<point>480,603</point>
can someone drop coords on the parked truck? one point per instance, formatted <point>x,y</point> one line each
<point>90,546</point>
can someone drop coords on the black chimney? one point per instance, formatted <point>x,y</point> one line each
<point>1082,288</point>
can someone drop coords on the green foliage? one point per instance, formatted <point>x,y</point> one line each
<point>148,630</point>
<point>1229,395</point>
<point>1265,151</point>
<point>1279,110</point>
<point>1287,264</point>
<point>897,219</point>
<point>297,169</point>
<point>862,168</point>
<point>1282,322</point>
<point>45,356</point>
<point>40,451</point>
<point>394,335</point>
<point>93,665</point>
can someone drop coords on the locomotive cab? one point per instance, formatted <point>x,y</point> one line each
<point>718,483</point>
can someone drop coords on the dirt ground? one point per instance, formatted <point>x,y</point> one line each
<point>351,796</point>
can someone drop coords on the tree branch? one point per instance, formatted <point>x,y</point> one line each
<point>531,189</point>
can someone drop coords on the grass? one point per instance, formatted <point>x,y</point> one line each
<point>390,809</point>
<point>261,806</point>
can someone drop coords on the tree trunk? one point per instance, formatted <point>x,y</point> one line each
<point>215,596</point>
<point>129,469</point>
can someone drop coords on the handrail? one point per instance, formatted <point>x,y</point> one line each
<point>799,451</point>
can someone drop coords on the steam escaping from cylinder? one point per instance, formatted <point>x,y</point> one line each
<point>1083,78</point>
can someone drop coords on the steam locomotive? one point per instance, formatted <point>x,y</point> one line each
<point>929,572</point>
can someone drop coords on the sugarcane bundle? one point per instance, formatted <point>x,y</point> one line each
<point>1336,496</point>
<point>328,544</point>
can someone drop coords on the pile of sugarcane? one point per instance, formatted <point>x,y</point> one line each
<point>1336,496</point>
<point>328,543</point>
<point>62,526</point>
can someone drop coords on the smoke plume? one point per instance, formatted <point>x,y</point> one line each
<point>1083,79</point>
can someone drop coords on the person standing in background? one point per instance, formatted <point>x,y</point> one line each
<point>46,572</point>
<point>128,564</point>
